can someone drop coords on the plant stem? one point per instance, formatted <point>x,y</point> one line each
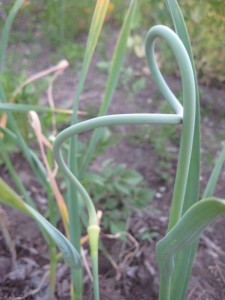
<point>189,102</point>
<point>74,223</point>
<point>93,234</point>
<point>73,205</point>
<point>52,275</point>
<point>52,247</point>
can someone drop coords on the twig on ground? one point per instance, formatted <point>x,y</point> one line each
<point>35,291</point>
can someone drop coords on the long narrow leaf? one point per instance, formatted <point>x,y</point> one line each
<point>115,68</point>
<point>10,198</point>
<point>95,30</point>
<point>184,259</point>
<point>211,185</point>
<point>183,234</point>
<point>23,108</point>
<point>192,190</point>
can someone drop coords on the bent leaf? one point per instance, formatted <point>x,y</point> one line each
<point>183,234</point>
<point>10,198</point>
<point>41,139</point>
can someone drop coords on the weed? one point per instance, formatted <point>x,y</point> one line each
<point>118,191</point>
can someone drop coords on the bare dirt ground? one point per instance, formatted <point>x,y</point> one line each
<point>135,275</point>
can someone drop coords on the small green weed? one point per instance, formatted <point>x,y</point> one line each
<point>118,191</point>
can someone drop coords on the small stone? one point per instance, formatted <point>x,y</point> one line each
<point>158,195</point>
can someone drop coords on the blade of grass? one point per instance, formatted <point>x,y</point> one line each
<point>184,233</point>
<point>10,198</point>
<point>115,68</point>
<point>184,259</point>
<point>211,185</point>
<point>73,206</point>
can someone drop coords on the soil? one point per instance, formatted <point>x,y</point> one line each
<point>135,275</point>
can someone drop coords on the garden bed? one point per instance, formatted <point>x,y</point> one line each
<point>136,274</point>
<point>127,264</point>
